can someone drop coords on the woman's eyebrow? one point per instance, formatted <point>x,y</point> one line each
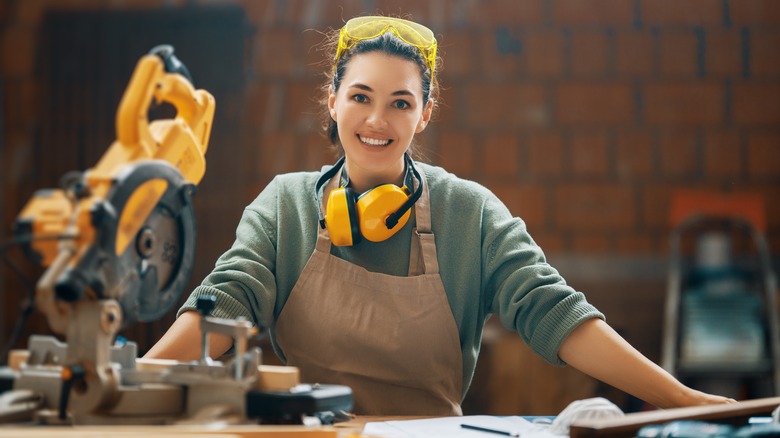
<point>365,87</point>
<point>361,86</point>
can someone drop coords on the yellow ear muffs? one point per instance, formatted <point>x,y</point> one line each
<point>341,217</point>
<point>374,207</point>
<point>375,215</point>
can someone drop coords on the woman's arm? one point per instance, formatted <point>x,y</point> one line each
<point>597,350</point>
<point>182,341</point>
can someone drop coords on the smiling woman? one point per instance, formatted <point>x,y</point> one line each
<point>377,111</point>
<point>386,287</point>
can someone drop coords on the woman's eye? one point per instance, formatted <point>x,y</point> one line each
<point>360,98</point>
<point>402,104</point>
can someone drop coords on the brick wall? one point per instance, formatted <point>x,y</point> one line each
<point>583,116</point>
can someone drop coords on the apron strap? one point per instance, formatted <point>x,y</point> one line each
<point>422,258</point>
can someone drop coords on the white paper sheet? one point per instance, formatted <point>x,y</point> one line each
<point>451,427</point>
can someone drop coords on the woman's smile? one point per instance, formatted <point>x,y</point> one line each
<point>371,141</point>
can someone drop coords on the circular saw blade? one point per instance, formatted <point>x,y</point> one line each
<point>154,268</point>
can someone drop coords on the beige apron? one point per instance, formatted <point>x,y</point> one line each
<point>393,340</point>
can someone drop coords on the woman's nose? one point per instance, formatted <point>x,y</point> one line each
<point>376,118</point>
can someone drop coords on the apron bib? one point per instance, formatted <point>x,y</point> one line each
<point>393,340</point>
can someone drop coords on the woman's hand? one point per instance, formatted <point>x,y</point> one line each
<point>693,397</point>
<point>597,350</point>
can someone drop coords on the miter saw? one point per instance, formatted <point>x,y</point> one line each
<point>117,243</point>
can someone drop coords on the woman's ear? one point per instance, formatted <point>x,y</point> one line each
<point>332,103</point>
<point>425,117</point>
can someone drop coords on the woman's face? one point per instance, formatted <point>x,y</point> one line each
<point>378,108</point>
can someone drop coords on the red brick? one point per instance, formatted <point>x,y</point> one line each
<point>321,15</point>
<point>684,103</point>
<point>688,12</point>
<point>768,193</point>
<point>424,145</point>
<point>590,243</point>
<point>545,154</point>
<point>259,104</point>
<point>258,12</point>
<point>550,242</point>
<point>764,59</point>
<point>595,103</point>
<point>756,103</point>
<point>494,61</point>
<point>722,154</point>
<point>457,49</point>
<point>18,47</point>
<point>283,157</point>
<point>678,53</point>
<point>601,12</point>
<point>524,201</point>
<point>315,152</point>
<point>457,152</point>
<point>448,109</point>
<point>31,12</point>
<point>594,207</point>
<point>544,54</point>
<point>505,12</point>
<point>303,109</point>
<point>507,104</point>
<point>763,150</point>
<point>629,243</point>
<point>679,154</point>
<point>589,53</point>
<point>656,199</point>
<point>634,155</point>
<point>723,52</point>
<point>501,155</point>
<point>430,14</point>
<point>21,95</point>
<point>277,52</point>
<point>635,53</point>
<point>137,4</point>
<point>771,193</point>
<point>755,12</point>
<point>589,154</point>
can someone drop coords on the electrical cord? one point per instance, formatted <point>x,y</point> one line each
<point>28,304</point>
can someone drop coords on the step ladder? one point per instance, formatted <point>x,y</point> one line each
<point>721,327</point>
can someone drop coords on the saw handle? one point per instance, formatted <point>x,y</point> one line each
<point>169,139</point>
<point>171,63</point>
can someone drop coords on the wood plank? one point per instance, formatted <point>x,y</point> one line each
<point>627,426</point>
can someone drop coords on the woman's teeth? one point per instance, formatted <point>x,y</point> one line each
<point>374,141</point>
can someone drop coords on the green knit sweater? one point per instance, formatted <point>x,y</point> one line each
<point>489,263</point>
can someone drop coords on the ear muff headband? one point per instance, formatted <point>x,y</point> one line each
<point>393,219</point>
<point>375,215</point>
<point>341,217</point>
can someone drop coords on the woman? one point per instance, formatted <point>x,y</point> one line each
<point>379,273</point>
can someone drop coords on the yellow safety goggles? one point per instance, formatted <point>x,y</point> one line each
<point>365,28</point>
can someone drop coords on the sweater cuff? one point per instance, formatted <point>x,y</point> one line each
<point>226,307</point>
<point>570,313</point>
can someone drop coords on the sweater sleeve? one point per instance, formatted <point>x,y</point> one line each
<point>529,296</point>
<point>243,279</point>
